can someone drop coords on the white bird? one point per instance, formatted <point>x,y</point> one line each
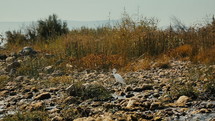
<point>118,77</point>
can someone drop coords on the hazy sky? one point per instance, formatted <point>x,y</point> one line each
<point>188,11</point>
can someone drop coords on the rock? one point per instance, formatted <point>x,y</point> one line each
<point>10,59</point>
<point>69,66</point>
<point>146,104</point>
<point>130,103</point>
<point>36,106</point>
<point>2,111</point>
<point>54,110</point>
<point>156,95</point>
<point>157,119</point>
<point>57,73</point>
<point>129,95</point>
<point>27,51</point>
<point>128,88</point>
<point>146,94</point>
<point>138,89</point>
<point>26,89</point>
<point>4,93</point>
<point>57,118</point>
<point>53,89</point>
<point>28,95</point>
<point>204,110</point>
<point>70,100</point>
<point>96,104</point>
<point>34,89</point>
<point>14,54</point>
<point>19,78</point>
<point>42,96</point>
<point>3,57</point>
<point>156,105</point>
<point>147,87</point>
<point>13,65</point>
<point>169,112</point>
<point>90,119</point>
<point>182,100</point>
<point>47,55</point>
<point>121,93</point>
<point>48,69</point>
<point>12,93</point>
<point>12,72</point>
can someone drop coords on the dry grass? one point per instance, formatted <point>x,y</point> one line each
<point>207,56</point>
<point>118,46</point>
<point>138,65</point>
<point>183,52</point>
<point>163,62</point>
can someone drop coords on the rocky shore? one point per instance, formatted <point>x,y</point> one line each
<point>173,92</point>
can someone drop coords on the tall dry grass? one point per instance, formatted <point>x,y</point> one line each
<point>103,47</point>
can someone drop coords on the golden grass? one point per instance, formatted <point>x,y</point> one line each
<point>183,52</point>
<point>207,56</point>
<point>118,46</point>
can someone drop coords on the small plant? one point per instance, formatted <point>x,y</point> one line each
<point>71,113</point>
<point>33,66</point>
<point>3,80</point>
<point>179,89</point>
<point>97,92</point>
<point>28,116</point>
<point>89,91</point>
<point>209,86</point>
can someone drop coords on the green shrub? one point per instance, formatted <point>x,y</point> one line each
<point>28,116</point>
<point>51,28</point>
<point>179,89</point>
<point>33,66</point>
<point>15,37</point>
<point>209,86</point>
<point>97,92</point>
<point>43,30</point>
<point>89,91</point>
<point>70,113</point>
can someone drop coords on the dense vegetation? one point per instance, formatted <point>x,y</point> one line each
<point>44,30</point>
<point>117,46</point>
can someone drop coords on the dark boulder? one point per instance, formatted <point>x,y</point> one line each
<point>3,56</point>
<point>28,51</point>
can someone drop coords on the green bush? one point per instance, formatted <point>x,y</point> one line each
<point>43,30</point>
<point>51,28</point>
<point>209,86</point>
<point>71,113</point>
<point>15,37</point>
<point>28,116</point>
<point>90,91</point>
<point>33,66</point>
<point>179,89</point>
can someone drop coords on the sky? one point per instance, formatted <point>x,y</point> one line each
<point>188,11</point>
